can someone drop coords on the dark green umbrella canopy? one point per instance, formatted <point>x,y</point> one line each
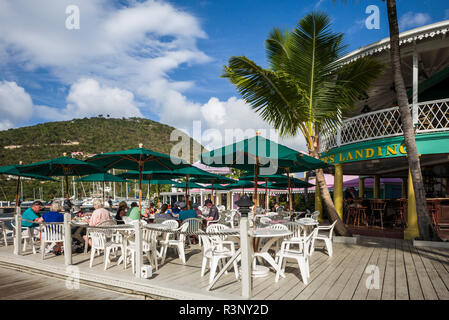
<point>101,177</point>
<point>183,185</point>
<point>150,175</point>
<point>137,159</point>
<point>63,166</point>
<point>159,181</point>
<point>271,178</point>
<point>14,171</point>
<point>295,183</point>
<point>241,184</point>
<point>242,155</point>
<point>216,186</point>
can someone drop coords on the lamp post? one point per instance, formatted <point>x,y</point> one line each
<point>246,254</point>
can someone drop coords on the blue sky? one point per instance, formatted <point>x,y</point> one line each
<point>157,59</point>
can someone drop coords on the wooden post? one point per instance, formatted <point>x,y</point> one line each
<point>103,196</point>
<point>246,259</point>
<point>412,231</point>
<point>139,257</point>
<point>67,239</point>
<point>18,237</point>
<point>67,186</point>
<point>376,193</point>
<point>140,188</point>
<point>338,190</point>
<point>361,188</point>
<point>256,195</point>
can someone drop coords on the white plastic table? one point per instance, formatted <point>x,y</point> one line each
<point>273,235</point>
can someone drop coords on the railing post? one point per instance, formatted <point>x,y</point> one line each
<point>339,136</point>
<point>415,88</point>
<point>67,239</point>
<point>246,258</point>
<point>18,237</point>
<point>139,257</point>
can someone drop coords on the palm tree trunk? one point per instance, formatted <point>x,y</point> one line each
<point>340,227</point>
<point>425,225</point>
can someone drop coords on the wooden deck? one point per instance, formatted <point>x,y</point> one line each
<point>405,272</point>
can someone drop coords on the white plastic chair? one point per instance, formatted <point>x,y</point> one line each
<point>327,238</point>
<point>28,235</point>
<point>7,233</point>
<point>98,245</point>
<point>148,247</point>
<point>314,215</point>
<point>176,243</point>
<point>300,255</point>
<point>264,220</point>
<point>215,253</point>
<point>51,233</point>
<point>127,220</point>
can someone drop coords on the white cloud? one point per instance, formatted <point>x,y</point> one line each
<point>410,20</point>
<point>87,98</point>
<point>16,106</point>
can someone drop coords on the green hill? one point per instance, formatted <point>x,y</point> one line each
<point>82,137</point>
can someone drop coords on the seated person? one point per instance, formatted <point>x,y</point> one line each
<point>199,213</point>
<point>185,212</point>
<point>133,213</point>
<point>213,211</point>
<point>99,215</point>
<point>277,208</point>
<point>165,213</point>
<point>31,214</point>
<point>55,215</point>
<point>175,209</point>
<point>121,212</point>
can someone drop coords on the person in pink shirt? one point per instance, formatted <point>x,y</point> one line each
<point>99,215</point>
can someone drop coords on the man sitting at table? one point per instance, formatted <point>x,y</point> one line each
<point>185,213</point>
<point>31,214</point>
<point>213,211</point>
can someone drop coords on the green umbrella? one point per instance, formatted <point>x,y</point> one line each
<point>101,177</point>
<point>13,170</point>
<point>258,152</point>
<point>139,159</point>
<point>183,185</point>
<point>63,166</point>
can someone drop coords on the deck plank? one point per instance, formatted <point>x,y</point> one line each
<point>401,288</point>
<point>389,284</point>
<point>361,292</point>
<point>426,285</point>
<point>439,286</point>
<point>414,287</point>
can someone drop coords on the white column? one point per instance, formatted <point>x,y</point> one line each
<point>415,87</point>
<point>139,257</point>
<point>246,258</point>
<point>67,239</point>
<point>18,237</point>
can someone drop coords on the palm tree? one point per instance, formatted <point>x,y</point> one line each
<point>305,90</point>
<point>425,225</point>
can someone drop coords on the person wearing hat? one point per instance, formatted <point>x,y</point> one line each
<point>213,211</point>
<point>31,214</point>
<point>185,213</point>
<point>199,213</point>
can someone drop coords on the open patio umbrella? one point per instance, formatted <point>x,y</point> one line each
<point>14,171</point>
<point>101,177</point>
<point>280,181</point>
<point>139,159</point>
<point>214,181</point>
<point>257,152</point>
<point>61,167</point>
<point>158,182</point>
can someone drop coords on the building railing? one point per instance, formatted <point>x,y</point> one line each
<point>432,116</point>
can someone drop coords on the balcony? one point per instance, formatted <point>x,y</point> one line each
<point>431,116</point>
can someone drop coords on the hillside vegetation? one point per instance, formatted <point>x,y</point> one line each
<point>82,137</point>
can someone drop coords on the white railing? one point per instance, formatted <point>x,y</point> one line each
<point>432,116</point>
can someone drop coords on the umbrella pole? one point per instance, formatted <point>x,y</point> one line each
<point>266,195</point>
<point>187,192</point>
<point>67,186</point>
<point>140,188</point>
<point>158,194</point>
<point>256,176</point>
<point>17,195</point>
<point>149,193</point>
<point>103,194</point>
<point>289,192</point>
